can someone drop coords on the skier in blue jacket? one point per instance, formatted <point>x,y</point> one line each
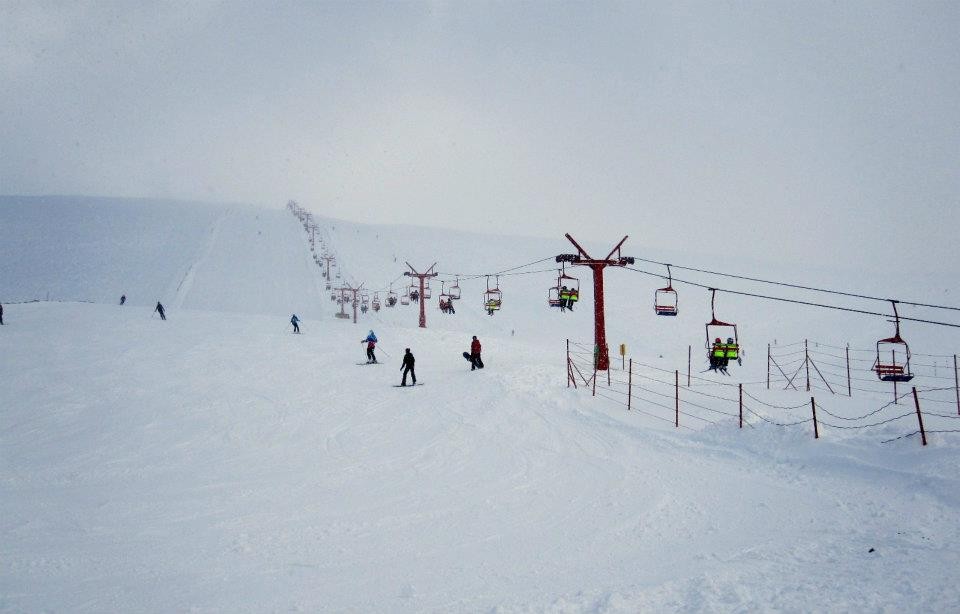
<point>371,341</point>
<point>296,323</point>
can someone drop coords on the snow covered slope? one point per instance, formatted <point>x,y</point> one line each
<point>190,255</point>
<point>215,462</point>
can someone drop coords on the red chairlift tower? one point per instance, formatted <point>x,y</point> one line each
<point>597,266</point>
<point>422,277</point>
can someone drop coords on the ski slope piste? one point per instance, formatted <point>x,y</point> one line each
<point>216,462</point>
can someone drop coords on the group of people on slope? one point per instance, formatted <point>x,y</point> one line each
<point>722,353</point>
<point>409,361</point>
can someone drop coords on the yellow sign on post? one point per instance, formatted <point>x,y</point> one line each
<point>623,349</point>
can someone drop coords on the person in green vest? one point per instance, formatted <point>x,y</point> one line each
<point>731,352</point>
<point>717,355</point>
<point>572,297</point>
<point>564,298</point>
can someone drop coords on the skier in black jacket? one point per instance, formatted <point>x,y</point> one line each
<point>407,367</point>
<point>159,309</point>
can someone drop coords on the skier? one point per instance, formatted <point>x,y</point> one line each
<point>371,341</point>
<point>296,323</point>
<point>123,299</point>
<point>475,361</point>
<point>159,309</point>
<point>1,315</point>
<point>407,367</point>
<point>716,355</point>
<point>732,352</point>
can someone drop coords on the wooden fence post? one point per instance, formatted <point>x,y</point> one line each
<point>916,401</point>
<point>849,388</point>
<point>568,363</point>
<point>594,376</point>
<point>676,398</point>
<point>816,428</point>
<point>806,362</point>
<point>740,386</point>
<point>956,383</point>
<point>630,385</point>
<point>768,366</point>
<point>690,354</point>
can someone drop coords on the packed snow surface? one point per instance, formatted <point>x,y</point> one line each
<point>216,462</point>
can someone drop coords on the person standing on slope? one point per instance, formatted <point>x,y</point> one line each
<point>123,299</point>
<point>159,309</point>
<point>475,361</point>
<point>371,341</point>
<point>1,315</point>
<point>407,367</point>
<point>296,323</point>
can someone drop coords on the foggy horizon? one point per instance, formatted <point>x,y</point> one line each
<point>816,131</point>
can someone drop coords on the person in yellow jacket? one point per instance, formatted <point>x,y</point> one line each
<point>732,351</point>
<point>564,298</point>
<point>572,297</point>
<point>717,354</point>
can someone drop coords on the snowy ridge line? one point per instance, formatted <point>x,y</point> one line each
<point>50,300</point>
<point>640,386</point>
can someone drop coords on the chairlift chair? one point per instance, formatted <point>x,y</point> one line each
<point>572,284</point>
<point>893,371</point>
<point>665,300</point>
<point>454,290</point>
<point>376,301</point>
<point>718,329</point>
<point>493,297</point>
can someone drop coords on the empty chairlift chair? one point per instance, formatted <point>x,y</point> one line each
<point>893,355</point>
<point>665,300</point>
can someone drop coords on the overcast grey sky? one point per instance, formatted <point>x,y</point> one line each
<point>785,128</point>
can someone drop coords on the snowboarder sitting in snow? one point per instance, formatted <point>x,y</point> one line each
<point>371,341</point>
<point>407,367</point>
<point>296,323</point>
<point>159,309</point>
<point>475,361</point>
